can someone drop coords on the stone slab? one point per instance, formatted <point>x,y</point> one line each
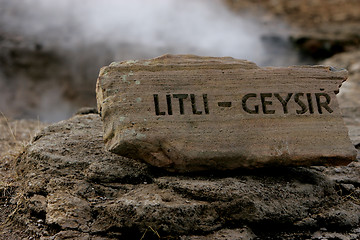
<point>187,113</point>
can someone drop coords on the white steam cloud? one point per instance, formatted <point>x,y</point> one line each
<point>148,27</point>
<point>88,34</point>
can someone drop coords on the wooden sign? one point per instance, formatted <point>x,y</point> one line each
<point>188,113</point>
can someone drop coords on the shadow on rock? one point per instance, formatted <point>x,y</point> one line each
<point>71,187</point>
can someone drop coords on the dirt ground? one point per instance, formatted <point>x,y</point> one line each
<point>15,135</point>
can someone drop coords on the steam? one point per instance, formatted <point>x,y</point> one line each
<point>203,27</point>
<point>89,34</point>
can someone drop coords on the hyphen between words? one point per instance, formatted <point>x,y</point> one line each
<point>260,103</point>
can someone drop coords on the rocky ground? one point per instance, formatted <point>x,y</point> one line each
<point>320,28</point>
<point>306,13</point>
<point>15,135</point>
<point>64,185</point>
<point>69,187</point>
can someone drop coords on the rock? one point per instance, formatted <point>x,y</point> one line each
<point>307,13</point>
<point>14,136</point>
<point>349,92</point>
<point>319,28</point>
<point>321,44</point>
<point>69,235</point>
<point>337,236</point>
<point>65,192</point>
<point>186,113</point>
<point>86,110</point>
<point>349,100</point>
<point>224,234</point>
<point>345,174</point>
<point>37,205</point>
<point>68,211</point>
<point>58,168</point>
<point>336,218</point>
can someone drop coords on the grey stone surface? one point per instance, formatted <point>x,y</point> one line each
<point>71,187</point>
<point>225,234</point>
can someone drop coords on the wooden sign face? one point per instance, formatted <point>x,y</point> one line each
<point>188,113</point>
